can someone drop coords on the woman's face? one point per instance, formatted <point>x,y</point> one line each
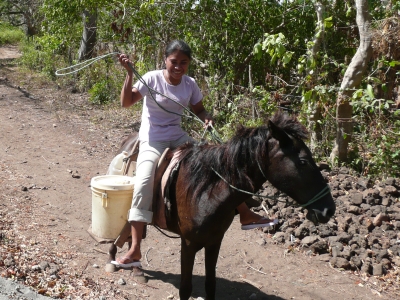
<point>177,64</point>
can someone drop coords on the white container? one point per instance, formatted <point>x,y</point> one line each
<point>111,201</point>
<point>117,165</point>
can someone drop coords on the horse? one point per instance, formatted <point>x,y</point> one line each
<point>213,179</point>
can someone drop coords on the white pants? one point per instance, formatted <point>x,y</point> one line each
<point>149,154</point>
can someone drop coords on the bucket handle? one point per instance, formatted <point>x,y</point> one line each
<point>104,200</point>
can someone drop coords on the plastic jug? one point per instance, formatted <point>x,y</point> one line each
<point>117,165</point>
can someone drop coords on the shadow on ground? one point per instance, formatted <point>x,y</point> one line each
<point>226,289</point>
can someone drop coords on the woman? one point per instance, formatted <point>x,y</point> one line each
<point>161,129</point>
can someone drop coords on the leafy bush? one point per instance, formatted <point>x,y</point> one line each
<point>43,54</point>
<point>10,34</point>
<point>100,93</point>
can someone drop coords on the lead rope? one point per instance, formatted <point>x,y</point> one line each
<point>325,191</point>
<point>213,132</point>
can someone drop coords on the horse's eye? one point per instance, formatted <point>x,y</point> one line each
<point>303,162</point>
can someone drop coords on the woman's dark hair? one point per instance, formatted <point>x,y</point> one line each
<point>178,45</point>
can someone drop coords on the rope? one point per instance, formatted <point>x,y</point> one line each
<point>214,134</point>
<point>83,64</point>
<point>167,235</point>
<point>325,191</point>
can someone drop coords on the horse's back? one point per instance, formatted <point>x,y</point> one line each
<point>128,143</point>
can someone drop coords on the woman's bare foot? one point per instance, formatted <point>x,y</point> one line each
<point>132,255</point>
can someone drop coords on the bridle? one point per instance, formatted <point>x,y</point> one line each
<point>325,191</point>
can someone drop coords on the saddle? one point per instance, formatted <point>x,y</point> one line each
<point>167,168</point>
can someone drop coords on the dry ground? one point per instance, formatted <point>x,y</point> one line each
<point>45,134</point>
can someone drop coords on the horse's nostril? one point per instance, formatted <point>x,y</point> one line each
<point>328,212</point>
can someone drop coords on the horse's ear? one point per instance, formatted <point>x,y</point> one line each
<point>279,134</point>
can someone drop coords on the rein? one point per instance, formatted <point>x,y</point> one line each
<point>325,191</point>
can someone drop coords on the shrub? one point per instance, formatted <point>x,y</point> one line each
<point>10,34</point>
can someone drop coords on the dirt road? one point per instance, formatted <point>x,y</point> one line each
<point>51,145</point>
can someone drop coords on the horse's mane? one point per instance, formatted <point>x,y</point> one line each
<point>234,160</point>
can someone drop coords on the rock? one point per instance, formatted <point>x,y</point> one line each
<point>386,201</point>
<point>44,265</point>
<point>364,182</point>
<point>377,270</point>
<point>346,253</point>
<point>320,247</point>
<point>396,260</point>
<point>391,190</point>
<point>325,231</point>
<point>110,268</point>
<point>339,262</point>
<point>261,242</point>
<point>354,210</point>
<point>121,281</point>
<point>356,198</point>
<point>390,181</point>
<point>381,255</point>
<point>352,230</point>
<point>309,240</point>
<point>301,231</point>
<point>397,225</point>
<point>344,238</point>
<point>359,240</point>
<point>386,264</point>
<point>366,268</point>
<point>380,218</point>
<point>324,257</point>
<point>369,224</point>
<point>335,251</point>
<point>356,262</point>
<point>279,237</point>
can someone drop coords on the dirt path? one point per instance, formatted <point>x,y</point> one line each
<point>44,136</point>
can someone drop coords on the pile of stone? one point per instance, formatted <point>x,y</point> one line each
<point>363,235</point>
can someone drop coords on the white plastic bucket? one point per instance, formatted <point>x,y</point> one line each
<point>111,201</point>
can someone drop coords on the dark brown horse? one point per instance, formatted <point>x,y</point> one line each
<point>211,180</point>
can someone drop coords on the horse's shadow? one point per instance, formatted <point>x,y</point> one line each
<point>226,289</point>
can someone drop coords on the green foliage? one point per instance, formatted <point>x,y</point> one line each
<point>275,38</point>
<point>100,93</point>
<point>275,46</point>
<point>375,151</point>
<point>10,34</point>
<point>43,54</point>
<point>265,102</point>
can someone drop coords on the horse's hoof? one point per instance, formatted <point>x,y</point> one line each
<point>138,275</point>
<point>110,268</point>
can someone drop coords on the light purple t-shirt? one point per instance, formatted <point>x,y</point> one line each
<point>157,124</point>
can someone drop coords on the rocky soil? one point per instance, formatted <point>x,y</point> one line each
<point>364,235</point>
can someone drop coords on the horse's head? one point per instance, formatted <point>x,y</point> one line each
<point>293,170</point>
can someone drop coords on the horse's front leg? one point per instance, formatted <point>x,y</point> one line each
<point>188,253</point>
<point>211,257</point>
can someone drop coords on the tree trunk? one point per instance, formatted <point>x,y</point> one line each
<point>315,109</point>
<point>352,78</point>
<point>89,35</point>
